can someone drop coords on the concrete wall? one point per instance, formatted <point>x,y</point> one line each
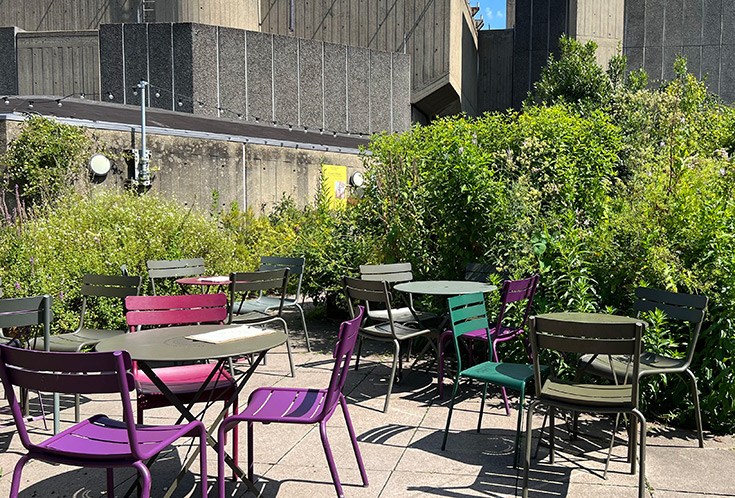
<point>495,78</point>
<point>259,76</point>
<point>438,35</point>
<point>58,63</point>
<point>538,26</point>
<point>600,21</point>
<point>242,14</point>
<point>190,169</point>
<point>656,31</point>
<point>8,61</point>
<point>58,15</point>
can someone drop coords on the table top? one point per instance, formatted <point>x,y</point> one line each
<point>590,317</point>
<point>444,287</point>
<point>199,281</point>
<point>171,344</point>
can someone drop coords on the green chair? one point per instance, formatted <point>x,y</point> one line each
<point>467,314</point>
<point>677,306</point>
<point>174,268</point>
<point>570,334</point>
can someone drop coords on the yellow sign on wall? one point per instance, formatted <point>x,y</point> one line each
<point>335,178</point>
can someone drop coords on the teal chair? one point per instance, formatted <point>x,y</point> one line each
<point>467,314</point>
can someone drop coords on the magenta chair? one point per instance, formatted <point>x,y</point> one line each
<point>98,441</point>
<point>302,406</point>
<point>513,291</point>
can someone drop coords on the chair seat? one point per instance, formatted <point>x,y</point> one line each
<point>382,331</point>
<point>263,304</point>
<point>505,334</point>
<point>274,404</point>
<point>101,438</point>
<point>650,363</point>
<point>184,381</point>
<point>510,375</point>
<point>588,394</point>
<point>401,315</point>
<point>75,341</point>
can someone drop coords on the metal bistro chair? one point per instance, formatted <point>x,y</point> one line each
<point>265,303</point>
<point>678,306</point>
<point>392,274</point>
<point>375,292</point>
<point>574,333</point>
<point>302,406</point>
<point>513,291</point>
<point>467,314</point>
<point>98,441</point>
<point>173,268</point>
<point>268,281</point>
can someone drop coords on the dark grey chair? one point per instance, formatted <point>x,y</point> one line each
<point>273,282</point>
<point>28,312</point>
<point>688,308</point>
<point>266,303</point>
<point>479,272</point>
<point>174,268</point>
<point>389,330</point>
<point>574,333</point>
<point>393,273</point>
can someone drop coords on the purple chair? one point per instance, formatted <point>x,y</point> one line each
<point>301,406</point>
<point>98,441</point>
<point>512,292</point>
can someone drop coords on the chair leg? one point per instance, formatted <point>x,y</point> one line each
<point>396,360</point>
<point>330,459</point>
<point>221,433</point>
<point>288,348</point>
<point>251,465</point>
<point>203,459</point>
<point>76,408</point>
<point>551,434</point>
<point>517,445</point>
<point>443,339</point>
<point>359,349</point>
<point>110,482</point>
<point>449,415</point>
<point>355,447</point>
<point>697,412</point>
<point>145,474</point>
<point>235,438</point>
<point>527,456</point>
<point>15,486</point>
<point>139,413</point>
<point>482,407</point>
<point>306,331</point>
<point>642,458</point>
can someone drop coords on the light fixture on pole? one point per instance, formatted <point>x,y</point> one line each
<point>142,157</point>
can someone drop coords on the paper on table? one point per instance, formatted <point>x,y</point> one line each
<point>213,279</point>
<point>230,334</point>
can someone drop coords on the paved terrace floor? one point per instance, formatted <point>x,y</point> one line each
<point>401,449</point>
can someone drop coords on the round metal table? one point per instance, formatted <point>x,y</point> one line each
<point>206,285</point>
<point>591,318</point>
<point>444,287</point>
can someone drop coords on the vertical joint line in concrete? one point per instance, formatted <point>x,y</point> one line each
<point>370,91</point>
<point>124,75</point>
<point>548,30</point>
<point>529,82</point>
<point>392,102</point>
<point>719,72</point>
<point>298,81</point>
<point>247,91</point>
<point>273,78</point>
<point>324,93</point>
<point>219,102</point>
<point>244,180</point>
<point>173,71</point>
<point>663,48</point>
<point>148,64</point>
<point>347,87</point>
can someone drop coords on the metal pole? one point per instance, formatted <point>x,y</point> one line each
<point>144,173</point>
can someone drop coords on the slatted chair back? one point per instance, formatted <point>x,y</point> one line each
<point>479,272</point>
<point>604,339</point>
<point>467,313</point>
<point>242,283</point>
<point>295,268</point>
<point>175,310</point>
<point>514,291</point>
<point>27,312</point>
<point>393,273</point>
<point>114,286</point>
<point>174,268</point>
<point>70,373</point>
<point>342,356</point>
<point>676,305</point>
<point>367,291</point>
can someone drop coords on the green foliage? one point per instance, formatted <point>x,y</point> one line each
<point>46,159</point>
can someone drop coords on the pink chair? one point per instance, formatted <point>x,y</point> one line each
<point>513,291</point>
<point>302,406</point>
<point>184,381</point>
<point>98,441</point>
